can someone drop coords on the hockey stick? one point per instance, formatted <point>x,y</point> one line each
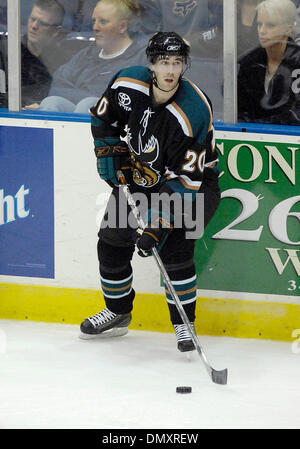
<point>218,377</point>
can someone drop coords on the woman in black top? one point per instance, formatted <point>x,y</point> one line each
<point>268,85</point>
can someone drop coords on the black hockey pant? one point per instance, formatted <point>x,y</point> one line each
<point>115,250</point>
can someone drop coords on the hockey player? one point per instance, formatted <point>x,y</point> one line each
<point>171,149</point>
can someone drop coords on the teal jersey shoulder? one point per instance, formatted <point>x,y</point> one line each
<point>196,109</point>
<point>135,73</point>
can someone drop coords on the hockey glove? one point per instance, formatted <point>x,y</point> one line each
<point>112,158</point>
<point>154,236</point>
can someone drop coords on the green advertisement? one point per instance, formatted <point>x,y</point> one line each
<point>253,242</point>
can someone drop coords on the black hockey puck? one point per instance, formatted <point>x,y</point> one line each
<point>183,389</point>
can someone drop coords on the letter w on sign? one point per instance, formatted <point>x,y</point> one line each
<point>292,257</point>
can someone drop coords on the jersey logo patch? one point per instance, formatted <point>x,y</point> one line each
<point>150,150</point>
<point>124,101</point>
<point>145,119</point>
<point>143,173</point>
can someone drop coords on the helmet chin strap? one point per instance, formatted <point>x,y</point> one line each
<point>155,82</point>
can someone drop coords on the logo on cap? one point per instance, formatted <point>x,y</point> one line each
<point>173,47</point>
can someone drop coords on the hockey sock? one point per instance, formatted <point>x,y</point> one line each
<point>118,293</point>
<point>116,277</point>
<point>184,283</point>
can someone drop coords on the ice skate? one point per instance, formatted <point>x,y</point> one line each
<point>105,324</point>
<point>184,341</point>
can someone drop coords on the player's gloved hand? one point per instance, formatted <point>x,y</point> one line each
<point>112,158</point>
<point>154,236</point>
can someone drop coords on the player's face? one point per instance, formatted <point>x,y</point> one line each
<point>270,30</point>
<point>41,25</point>
<point>168,70</point>
<point>108,27</point>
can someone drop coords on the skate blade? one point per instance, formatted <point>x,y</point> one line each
<point>114,332</point>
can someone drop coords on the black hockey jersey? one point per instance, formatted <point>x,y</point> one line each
<point>171,143</point>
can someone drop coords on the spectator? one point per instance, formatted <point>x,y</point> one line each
<point>43,33</point>
<point>268,90</point>
<point>185,16</point>
<point>209,44</point>
<point>247,38</point>
<point>78,83</point>
<point>199,22</point>
<point>39,55</point>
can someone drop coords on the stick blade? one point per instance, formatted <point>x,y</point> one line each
<point>219,377</point>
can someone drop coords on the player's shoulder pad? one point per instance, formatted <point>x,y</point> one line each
<point>135,77</point>
<point>194,109</point>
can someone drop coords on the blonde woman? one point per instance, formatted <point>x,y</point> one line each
<point>268,90</point>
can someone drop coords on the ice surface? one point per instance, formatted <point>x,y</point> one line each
<point>51,379</point>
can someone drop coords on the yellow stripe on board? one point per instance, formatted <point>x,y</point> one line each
<point>226,317</point>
